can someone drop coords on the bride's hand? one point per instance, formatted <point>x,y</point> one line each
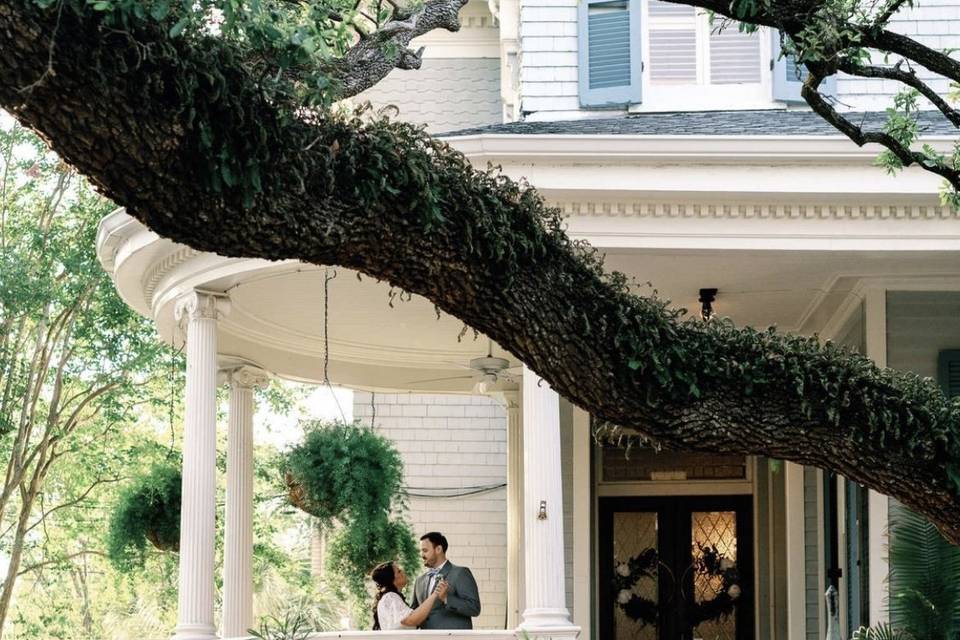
<point>441,590</point>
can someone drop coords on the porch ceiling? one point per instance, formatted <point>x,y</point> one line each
<point>797,291</point>
<point>276,316</point>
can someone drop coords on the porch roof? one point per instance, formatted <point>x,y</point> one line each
<point>773,122</point>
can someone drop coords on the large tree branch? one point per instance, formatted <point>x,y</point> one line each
<point>936,61</point>
<point>376,55</point>
<point>843,124</point>
<point>388,201</point>
<point>907,77</point>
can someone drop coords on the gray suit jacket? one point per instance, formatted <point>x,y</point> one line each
<point>463,599</point>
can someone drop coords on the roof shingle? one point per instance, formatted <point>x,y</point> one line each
<point>705,123</point>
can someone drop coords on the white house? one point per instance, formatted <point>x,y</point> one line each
<point>682,153</point>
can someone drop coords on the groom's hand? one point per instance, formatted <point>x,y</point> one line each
<point>441,590</point>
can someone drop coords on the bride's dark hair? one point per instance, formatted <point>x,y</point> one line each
<point>383,576</point>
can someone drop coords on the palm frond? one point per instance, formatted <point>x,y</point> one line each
<point>924,578</point>
<point>881,632</point>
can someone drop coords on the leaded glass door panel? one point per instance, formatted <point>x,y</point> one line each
<point>676,568</point>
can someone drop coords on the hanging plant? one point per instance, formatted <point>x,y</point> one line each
<point>348,476</point>
<point>148,511</point>
<point>344,470</point>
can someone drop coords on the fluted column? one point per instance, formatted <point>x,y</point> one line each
<point>198,500</point>
<point>511,400</point>
<point>545,613</point>
<point>238,532</point>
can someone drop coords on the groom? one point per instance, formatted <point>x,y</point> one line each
<point>462,600</point>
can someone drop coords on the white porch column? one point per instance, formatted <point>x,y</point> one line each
<point>238,532</point>
<point>878,505</point>
<point>796,549</point>
<point>511,400</point>
<point>198,501</point>
<point>545,614</point>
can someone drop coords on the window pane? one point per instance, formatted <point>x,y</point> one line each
<point>608,25</point>
<point>634,550</point>
<point>673,56</point>
<point>714,532</point>
<point>734,57</point>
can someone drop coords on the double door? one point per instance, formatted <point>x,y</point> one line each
<point>676,568</point>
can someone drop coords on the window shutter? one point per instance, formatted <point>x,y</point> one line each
<point>948,372</point>
<point>672,29</point>
<point>609,52</point>
<point>788,75</point>
<point>734,57</point>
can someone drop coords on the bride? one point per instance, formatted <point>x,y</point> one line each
<point>390,610</point>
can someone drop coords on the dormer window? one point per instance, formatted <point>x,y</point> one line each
<point>655,55</point>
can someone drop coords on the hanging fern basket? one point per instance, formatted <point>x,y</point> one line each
<point>343,469</point>
<point>297,495</point>
<point>148,512</point>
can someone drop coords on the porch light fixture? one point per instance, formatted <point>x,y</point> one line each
<point>707,296</point>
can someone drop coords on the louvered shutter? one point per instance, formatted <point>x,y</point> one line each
<point>948,372</point>
<point>609,52</point>
<point>788,76</point>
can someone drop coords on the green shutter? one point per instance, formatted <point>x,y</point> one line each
<point>948,372</point>
<point>609,56</point>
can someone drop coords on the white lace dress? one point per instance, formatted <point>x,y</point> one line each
<point>391,610</point>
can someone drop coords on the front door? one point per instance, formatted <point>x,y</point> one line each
<point>676,568</point>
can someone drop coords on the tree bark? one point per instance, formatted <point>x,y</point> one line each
<point>481,248</point>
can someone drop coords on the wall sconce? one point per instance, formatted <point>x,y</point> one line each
<point>542,513</point>
<point>707,296</point>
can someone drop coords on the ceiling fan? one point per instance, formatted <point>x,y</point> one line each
<point>487,371</point>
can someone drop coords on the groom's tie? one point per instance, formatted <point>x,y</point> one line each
<point>432,580</point>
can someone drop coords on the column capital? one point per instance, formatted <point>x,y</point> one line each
<point>248,377</point>
<point>198,305</point>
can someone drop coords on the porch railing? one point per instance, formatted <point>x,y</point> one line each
<point>420,634</point>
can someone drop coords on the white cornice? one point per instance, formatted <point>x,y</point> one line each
<point>635,208</point>
<point>112,231</point>
<point>716,148</point>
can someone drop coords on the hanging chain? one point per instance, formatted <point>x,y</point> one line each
<point>327,277</point>
<point>326,323</point>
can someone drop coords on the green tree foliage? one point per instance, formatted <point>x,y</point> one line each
<point>74,358</point>
<point>148,512</point>
<point>351,479</point>
<point>90,403</point>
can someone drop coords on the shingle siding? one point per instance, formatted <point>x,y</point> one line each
<point>935,23</point>
<point>444,94</point>
<point>548,56</point>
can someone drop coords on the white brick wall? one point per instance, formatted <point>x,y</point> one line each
<point>454,441</point>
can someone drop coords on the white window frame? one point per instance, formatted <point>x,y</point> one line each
<point>702,96</point>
